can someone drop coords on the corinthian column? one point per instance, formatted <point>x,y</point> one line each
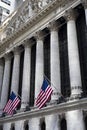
<point>1,74</point>
<point>6,80</point>
<point>34,123</point>
<point>73,54</point>
<point>39,63</point>
<point>26,75</point>
<point>52,121</point>
<point>74,118</point>
<point>16,70</point>
<point>54,60</point>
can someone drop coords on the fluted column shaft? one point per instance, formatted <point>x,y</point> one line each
<point>39,72</point>
<point>74,118</point>
<point>1,74</point>
<point>54,60</point>
<point>6,80</point>
<point>16,70</point>
<point>26,76</point>
<point>73,54</point>
<point>52,121</point>
<point>34,123</point>
<point>19,125</point>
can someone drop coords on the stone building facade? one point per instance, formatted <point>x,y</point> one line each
<point>45,38</point>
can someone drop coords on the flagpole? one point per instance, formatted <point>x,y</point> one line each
<point>53,85</point>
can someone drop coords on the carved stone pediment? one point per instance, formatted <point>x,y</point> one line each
<point>9,31</point>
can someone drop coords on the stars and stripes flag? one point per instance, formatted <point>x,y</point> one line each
<point>44,95</point>
<point>11,104</point>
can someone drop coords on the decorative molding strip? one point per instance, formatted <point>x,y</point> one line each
<point>54,109</point>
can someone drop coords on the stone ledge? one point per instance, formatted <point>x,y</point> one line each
<point>56,108</point>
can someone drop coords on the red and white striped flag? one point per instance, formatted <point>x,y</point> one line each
<point>11,104</point>
<point>44,95</point>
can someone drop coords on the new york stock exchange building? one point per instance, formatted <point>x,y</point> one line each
<point>45,39</point>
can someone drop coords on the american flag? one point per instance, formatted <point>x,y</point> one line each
<point>44,95</point>
<point>11,104</point>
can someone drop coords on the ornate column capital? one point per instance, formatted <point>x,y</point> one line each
<point>70,14</point>
<point>39,35</point>
<point>17,50</point>
<point>28,43</point>
<point>8,56</point>
<point>53,26</point>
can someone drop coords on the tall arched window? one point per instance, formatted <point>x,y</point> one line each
<point>63,124</point>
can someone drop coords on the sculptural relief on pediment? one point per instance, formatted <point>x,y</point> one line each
<point>24,13</point>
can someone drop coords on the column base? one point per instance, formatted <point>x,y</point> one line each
<point>75,96</point>
<point>76,92</point>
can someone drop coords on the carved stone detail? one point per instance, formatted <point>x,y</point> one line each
<point>25,13</point>
<point>17,50</point>
<point>70,15</point>
<point>53,25</point>
<point>39,35</point>
<point>8,56</point>
<point>76,87</point>
<point>28,43</point>
<point>23,16</point>
<point>9,31</point>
